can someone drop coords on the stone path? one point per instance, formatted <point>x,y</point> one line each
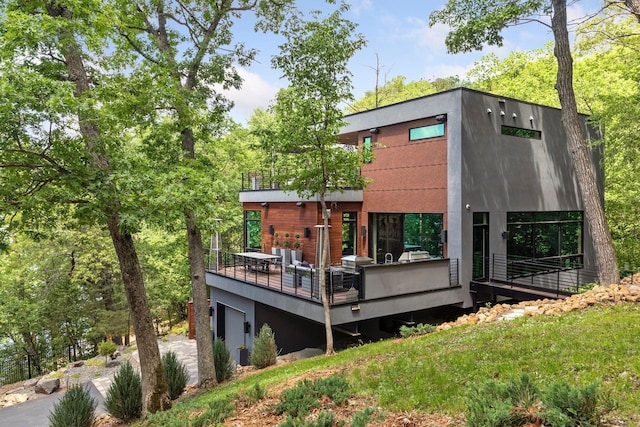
<point>35,413</point>
<point>186,353</point>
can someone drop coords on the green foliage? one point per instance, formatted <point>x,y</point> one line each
<point>324,419</point>
<point>218,411</point>
<point>567,406</point>
<point>176,374</point>
<point>106,348</point>
<point>519,402</point>
<point>299,400</point>
<point>264,351</point>
<point>222,360</point>
<point>362,418</point>
<point>419,329</point>
<point>124,397</point>
<point>247,397</point>
<point>476,22</point>
<point>75,409</point>
<point>398,89</point>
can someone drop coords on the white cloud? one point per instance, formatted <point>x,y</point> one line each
<point>256,92</point>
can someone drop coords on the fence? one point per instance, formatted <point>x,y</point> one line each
<point>19,366</point>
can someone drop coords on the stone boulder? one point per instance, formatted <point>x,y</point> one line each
<point>47,385</point>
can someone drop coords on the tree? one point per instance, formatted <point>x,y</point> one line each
<point>314,60</point>
<point>474,22</point>
<point>398,89</point>
<point>60,146</point>
<point>185,45</point>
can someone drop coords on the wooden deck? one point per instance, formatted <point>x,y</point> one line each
<point>271,276</point>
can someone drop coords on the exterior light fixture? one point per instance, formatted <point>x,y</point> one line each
<point>374,130</point>
<point>271,230</point>
<point>264,204</point>
<point>502,113</point>
<point>300,204</point>
<point>488,110</point>
<point>514,115</point>
<point>441,117</point>
<point>505,235</point>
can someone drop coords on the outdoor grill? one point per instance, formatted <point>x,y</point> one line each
<point>352,262</point>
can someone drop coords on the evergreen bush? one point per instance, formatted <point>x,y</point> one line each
<point>75,409</point>
<point>176,374</point>
<point>419,329</point>
<point>124,397</point>
<point>264,351</point>
<point>517,403</point>
<point>222,361</point>
<point>219,410</point>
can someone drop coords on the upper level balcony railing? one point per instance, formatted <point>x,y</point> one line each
<point>259,181</point>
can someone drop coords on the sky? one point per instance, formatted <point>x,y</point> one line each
<point>398,32</point>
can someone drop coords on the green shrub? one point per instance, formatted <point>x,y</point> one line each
<point>299,400</point>
<point>255,394</point>
<point>75,409</point>
<point>124,397</point>
<point>222,361</point>
<point>419,329</point>
<point>219,410</point>
<point>176,374</point>
<point>264,351</point>
<point>567,406</point>
<point>325,419</point>
<point>361,419</point>
<point>516,403</point>
<point>106,348</point>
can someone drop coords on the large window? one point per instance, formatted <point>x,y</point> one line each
<point>398,233</point>
<point>554,237</point>
<point>349,229</point>
<point>252,230</point>
<point>425,132</point>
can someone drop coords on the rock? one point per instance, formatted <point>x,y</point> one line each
<point>31,382</point>
<point>15,398</point>
<point>78,363</point>
<point>47,385</point>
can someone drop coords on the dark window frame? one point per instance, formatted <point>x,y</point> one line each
<point>247,229</point>
<point>553,239</point>
<point>367,149</point>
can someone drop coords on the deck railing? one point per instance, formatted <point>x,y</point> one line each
<point>342,285</point>
<point>560,277</point>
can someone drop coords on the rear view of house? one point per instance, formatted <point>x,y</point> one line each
<point>471,196</point>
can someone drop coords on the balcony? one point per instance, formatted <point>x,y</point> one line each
<point>261,186</point>
<point>376,289</point>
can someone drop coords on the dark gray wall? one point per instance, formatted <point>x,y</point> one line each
<point>501,174</point>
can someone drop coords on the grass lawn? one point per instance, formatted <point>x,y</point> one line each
<point>432,373</point>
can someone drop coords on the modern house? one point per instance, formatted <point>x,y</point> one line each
<point>472,196</point>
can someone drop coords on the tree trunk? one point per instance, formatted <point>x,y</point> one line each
<point>204,338</point>
<point>154,387</point>
<point>322,278</point>
<point>585,172</point>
